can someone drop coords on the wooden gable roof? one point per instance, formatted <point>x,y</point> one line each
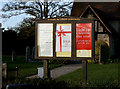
<point>96,14</point>
<point>111,10</point>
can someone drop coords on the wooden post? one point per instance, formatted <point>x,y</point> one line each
<point>46,68</point>
<point>16,71</point>
<point>84,72</point>
<point>5,72</point>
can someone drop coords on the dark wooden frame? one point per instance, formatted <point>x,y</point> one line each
<point>72,21</point>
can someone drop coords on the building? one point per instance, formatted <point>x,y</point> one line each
<point>107,23</point>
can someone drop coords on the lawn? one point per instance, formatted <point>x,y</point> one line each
<point>25,68</point>
<point>98,75</point>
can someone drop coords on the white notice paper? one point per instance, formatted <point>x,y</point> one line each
<point>45,39</point>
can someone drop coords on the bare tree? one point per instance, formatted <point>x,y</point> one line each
<point>37,9</point>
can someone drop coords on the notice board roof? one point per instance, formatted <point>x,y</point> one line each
<point>64,18</point>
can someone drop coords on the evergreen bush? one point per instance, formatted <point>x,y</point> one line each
<point>105,51</point>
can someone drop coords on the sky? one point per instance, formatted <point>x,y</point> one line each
<point>14,21</point>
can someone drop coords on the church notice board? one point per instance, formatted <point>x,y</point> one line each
<point>64,38</point>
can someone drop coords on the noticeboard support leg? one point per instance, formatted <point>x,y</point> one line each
<point>84,72</point>
<point>46,68</point>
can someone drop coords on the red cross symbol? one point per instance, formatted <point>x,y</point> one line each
<point>59,34</point>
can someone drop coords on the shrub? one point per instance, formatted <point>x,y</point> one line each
<point>105,51</point>
<point>91,61</point>
<point>36,83</point>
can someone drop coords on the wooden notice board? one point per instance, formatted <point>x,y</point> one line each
<point>67,38</point>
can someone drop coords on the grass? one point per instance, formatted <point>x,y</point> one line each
<point>98,75</point>
<point>25,68</point>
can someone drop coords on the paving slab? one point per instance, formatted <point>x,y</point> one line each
<point>57,72</point>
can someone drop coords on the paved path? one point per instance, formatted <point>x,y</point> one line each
<point>64,70</point>
<point>61,70</point>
